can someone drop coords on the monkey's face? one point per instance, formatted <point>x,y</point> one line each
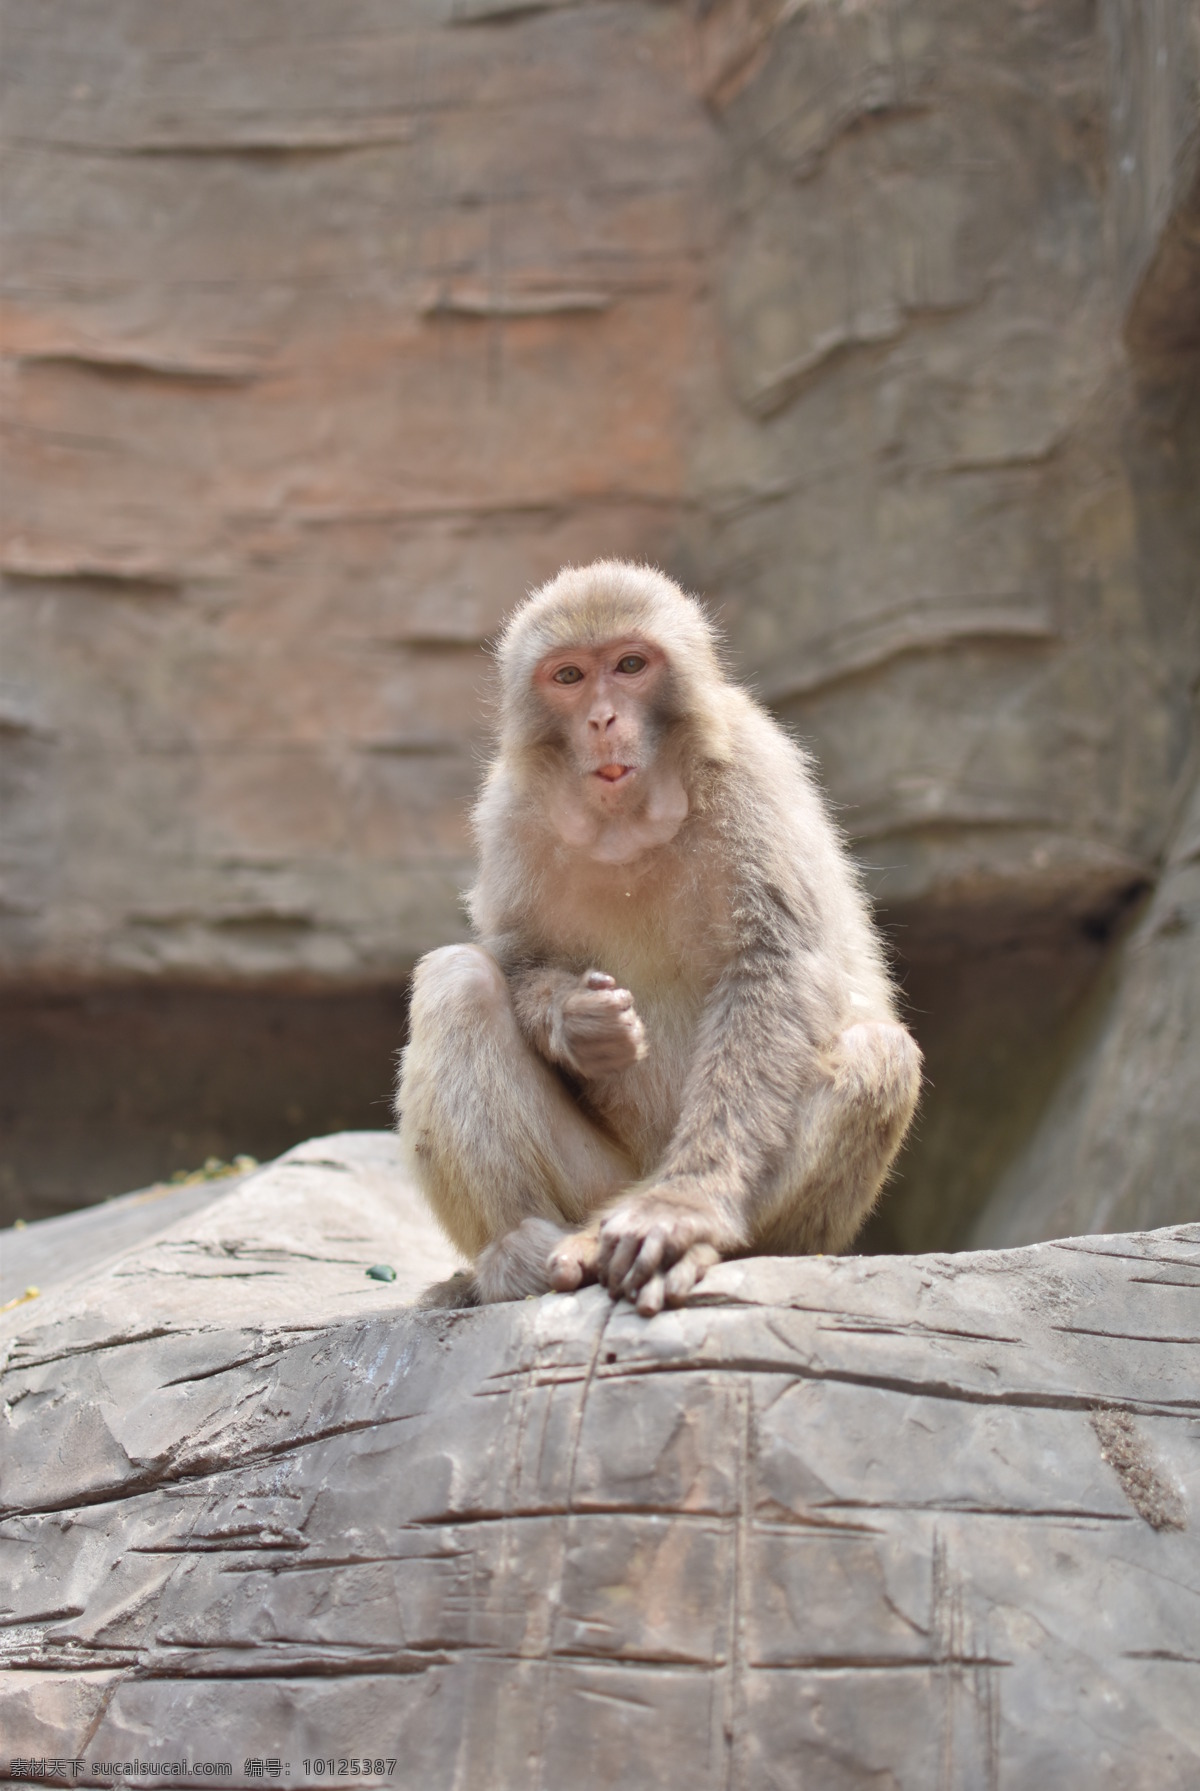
<point>608,706</point>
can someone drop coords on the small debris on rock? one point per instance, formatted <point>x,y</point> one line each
<point>31,1293</point>
<point>1146,1483</point>
<point>213,1170</point>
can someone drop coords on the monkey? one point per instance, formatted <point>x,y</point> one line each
<point>674,1038</point>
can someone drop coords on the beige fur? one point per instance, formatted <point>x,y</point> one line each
<point>677,1037</point>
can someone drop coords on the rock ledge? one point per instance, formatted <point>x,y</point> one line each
<point>903,1521</point>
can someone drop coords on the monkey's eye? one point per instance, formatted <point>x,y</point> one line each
<point>568,674</point>
<point>632,662</point>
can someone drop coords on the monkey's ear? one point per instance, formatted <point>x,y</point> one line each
<point>455,1295</point>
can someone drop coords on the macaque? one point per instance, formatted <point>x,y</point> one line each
<point>676,1039</point>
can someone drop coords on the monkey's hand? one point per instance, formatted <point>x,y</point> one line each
<point>598,1031</point>
<point>652,1248</point>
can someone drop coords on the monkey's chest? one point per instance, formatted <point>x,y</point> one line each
<point>648,927</point>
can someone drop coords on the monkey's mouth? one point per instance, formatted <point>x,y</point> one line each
<point>612,774</point>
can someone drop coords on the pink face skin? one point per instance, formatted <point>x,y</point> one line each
<point>605,699</point>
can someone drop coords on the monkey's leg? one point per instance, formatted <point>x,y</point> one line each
<point>849,1130</point>
<point>503,1154</point>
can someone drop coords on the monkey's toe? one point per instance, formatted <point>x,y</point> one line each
<point>566,1275</point>
<point>573,1262</point>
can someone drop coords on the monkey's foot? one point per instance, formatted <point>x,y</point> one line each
<point>515,1265</point>
<point>461,1290</point>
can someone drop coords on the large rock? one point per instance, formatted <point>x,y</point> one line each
<point>1154,166</point>
<point>1117,1145</point>
<point>908,1521</point>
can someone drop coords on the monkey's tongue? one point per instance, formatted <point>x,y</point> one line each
<point>611,773</point>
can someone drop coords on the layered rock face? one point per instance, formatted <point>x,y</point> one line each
<point>327,334</point>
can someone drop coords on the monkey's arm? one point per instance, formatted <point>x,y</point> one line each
<point>584,1023</point>
<point>758,1050</point>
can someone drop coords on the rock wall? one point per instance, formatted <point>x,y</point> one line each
<point>325,334</point>
<point>1117,1147</point>
<point>1117,1141</point>
<point>324,340</point>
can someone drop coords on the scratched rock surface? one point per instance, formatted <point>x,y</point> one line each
<point>909,1521</point>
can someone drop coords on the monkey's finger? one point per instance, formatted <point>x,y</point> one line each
<point>606,1002</point>
<point>621,1260</point>
<point>680,1281</point>
<point>690,1269</point>
<point>600,979</point>
<point>650,1299</point>
<point>647,1262</point>
<point>612,1230</point>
